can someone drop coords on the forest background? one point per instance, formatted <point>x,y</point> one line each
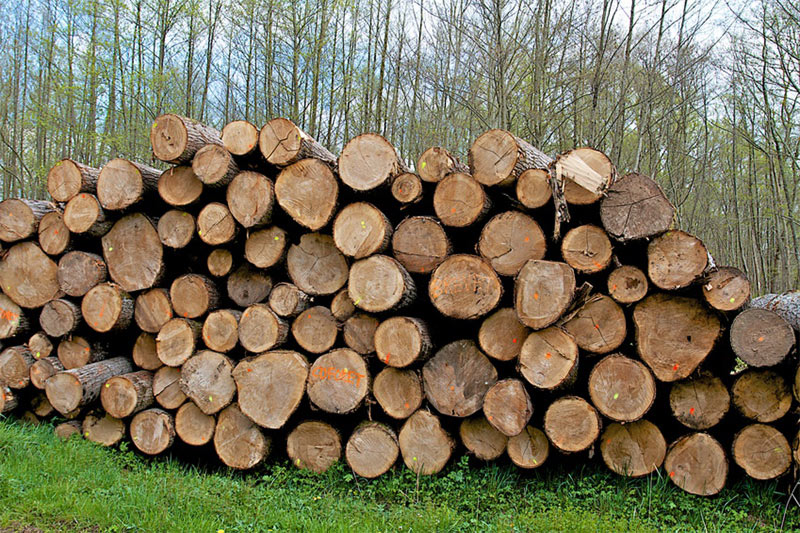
<point>702,96</point>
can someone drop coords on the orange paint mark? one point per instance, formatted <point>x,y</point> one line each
<point>675,367</point>
<point>535,295</point>
<point>527,239</point>
<point>691,411</point>
<point>185,314</point>
<point>452,387</point>
<point>406,405</point>
<point>548,355</point>
<point>597,326</point>
<point>387,356</point>
<point>761,339</point>
<point>56,232</point>
<point>453,210</point>
<point>490,417</point>
<point>83,196</point>
<point>614,288</point>
<point>597,265</point>
<point>514,341</point>
<point>21,382</point>
<point>249,369</point>
<point>672,474</point>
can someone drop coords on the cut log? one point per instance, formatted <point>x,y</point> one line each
<point>287,300</point>
<point>457,378</point>
<point>360,230</point>
<point>599,326</point>
<point>481,438</point>
<point>761,338</point>
<point>282,143</point>
<point>177,340</point>
<point>501,334</point>
<point>239,443</point>
<point>41,370</point>
<point>533,188</point>
<point>80,271</point>
<point>144,353</point>
<point>507,406</point>
<point>697,464</point>
<point>65,430</point>
<point>398,392</point>
<point>586,249</point>
<point>128,394</point>
<point>241,139</point>
<point>8,400</point>
<point>71,389</point>
<point>543,290</point>
<point>60,317</point>
<point>19,218</point>
<point>219,262</point>
<point>621,388</point>
<point>635,207</point>
<point>247,286</point>
<point>675,260</point>
<point>699,402</point>
<point>179,186</point>
<point>400,341</point>
<point>75,352</point>
<point>15,365</point>
<point>372,449</point>
<point>407,188</point>
<point>425,445</point>
<point>41,406</point>
<point>338,381</point>
<point>67,178</point>
<point>308,191</point>
<point>571,424</point>
<point>215,224</point>
<point>13,321</point>
<point>133,253</point>
<point>221,330</point>
<point>314,446</point>
<point>509,240</point>
<point>193,426</point>
<point>152,310</point>
<point>762,451</point>
<point>54,236</point>
<point>761,395</point>
<point>250,198</point>
<point>316,266</point>
<point>435,163</point>
<point>627,284</point>
<point>674,334</point>
<point>726,289</point>
<point>40,345</point>
<point>786,305</point>
<point>176,229</point>
<point>103,429</point>
<point>193,295</point>
<point>529,449</point>
<point>460,201</point>
<point>166,387</point>
<point>122,184</point>
<point>498,157</point>
<point>214,165</point>
<point>549,359</point>
<point>28,276</point>
<point>265,248</point>
<point>342,306</point>
<point>260,329</point>
<point>369,161</point>
<point>464,286</point>
<point>206,378</point>
<point>380,283</point>
<point>359,333</point>
<point>83,215</point>
<point>586,174</point>
<point>635,450</point>
<point>106,307</point>
<point>176,139</point>
<point>153,431</point>
<point>420,244</point>
<point>315,329</point>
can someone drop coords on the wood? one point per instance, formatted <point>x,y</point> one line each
<point>435,163</point>
<point>13,321</point>
<point>529,449</point>
<point>176,229</point>
<point>571,424</point>
<point>106,307</point>
<point>40,345</point>
<point>251,197</point>
<point>215,224</point>
<point>127,394</point>
<point>635,449</point>
<point>457,378</point>
<point>697,464</point>
<point>315,329</point>
<point>54,236</point>
<point>675,260</point>
<point>465,287</point>
<point>314,446</point>
<point>153,431</point>
<point>316,266</point>
<point>28,276</point>
<point>360,230</point>
<point>761,338</point>
<point>219,262</point>
<point>481,438</point>
<point>15,365</point>
<point>193,295</point>
<point>41,370</point>
<point>342,306</point>
<point>338,381</point>
<point>221,330</point>
<point>260,329</point>
<point>67,178</point>
<point>287,301</point>
<point>398,392</point>
<point>726,289</point>
<point>635,208</point>
<point>507,406</point>
<point>762,451</point>
<point>401,341</point>
<point>193,426</point>
<point>509,240</point>
<point>266,247</point>
<point>71,389</point>
<point>133,253</point>
<point>460,201</point>
<point>8,400</point>
<point>762,395</point>
<point>80,271</point>
<point>152,309</point>
<point>214,165</point>
<point>407,188</point>
<point>167,389</point>
<point>60,317</point>
<point>144,353</point>
<point>271,386</point>
<point>241,139</point>
<point>549,359</point>
<point>420,244</point>
<point>65,430</point>
<point>380,283</point>
<point>599,326</point>
<point>498,157</point>
<point>239,443</point>
<point>369,161</point>
<point>585,173</point>
<point>533,188</point>
<point>308,191</point>
<point>359,333</point>
<point>699,402</point>
<point>501,335</point>
<point>123,184</point>
<point>103,429</point>
<point>586,249</point>
<point>786,305</point>
<point>41,406</point>
<point>543,290</point>
<point>282,143</point>
<point>425,445</point>
<point>85,216</point>
<point>177,341</point>
<point>206,378</point>
<point>372,449</point>
<point>621,388</point>
<point>179,186</point>
<point>674,334</point>
<point>176,139</point>
<point>247,286</point>
<point>19,218</point>
<point>627,284</point>
<point>75,352</point>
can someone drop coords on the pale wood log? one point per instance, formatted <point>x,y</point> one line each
<point>509,240</point>
<point>239,443</point>
<point>369,161</point>
<point>287,300</point>
<point>177,340</point>
<point>465,287</point>
<point>529,449</point>
<point>266,247</point>
<point>221,330</point>
<point>420,244</point>
<point>103,429</point>
<point>425,445</point>
<point>75,352</point>
<point>247,286</point>
<point>435,163</point>
<point>153,431</point>
<point>621,388</point>
<point>19,217</point>
<point>179,186</point>
<point>697,464</point>
<point>533,188</point>
<point>571,424</point>
<point>28,276</point>
<point>627,284</point>
<point>133,253</point>
<point>282,143</point>
<point>726,289</point>
<point>407,188</point>
<point>152,309</point>
<point>398,392</point>
<point>599,326</point>
<point>401,340</point>
<point>251,197</point>
<point>167,389</point>
<point>54,236</point>
<point>360,230</point>
<point>762,451</point>
<point>144,352</point>
<point>481,438</point>
<point>549,359</point>
<point>543,290</point>
<point>372,449</point>
<point>15,365</point>
<point>176,229</point>
<point>762,395</point>
<point>240,138</point>
<point>314,446</point>
<point>216,225</point>
<point>315,329</point>
<point>84,215</point>
<point>193,295</point>
<point>206,378</point>
<point>193,426</point>
<point>460,201</point>
<point>699,402</point>
<point>67,178</point>
<point>176,139</point>
<point>507,406</point>
<point>316,266</point>
<point>586,249</point>
<point>308,192</point>
<point>675,260</point>
<point>761,338</point>
<point>214,165</point>
<point>501,334</point>
<point>634,208</point>
<point>71,389</point>
<point>338,381</point>
<point>127,394</point>
<point>498,157</point>
<point>123,184</point>
<point>260,329</point>
<point>107,307</point>
<point>635,449</point>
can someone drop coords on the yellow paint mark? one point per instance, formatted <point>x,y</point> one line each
<point>423,165</point>
<point>616,395</point>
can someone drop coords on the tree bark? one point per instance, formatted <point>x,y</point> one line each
<point>786,305</point>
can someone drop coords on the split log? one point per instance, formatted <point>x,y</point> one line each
<point>241,139</point>
<point>543,290</point>
<point>13,321</point>
<point>60,317</point>
<point>342,306</point>
<point>128,394</point>
<point>425,445</point>
<point>726,289</point>
<point>369,161</point>
<point>407,188</point>
<point>762,451</point>
<point>457,378</point>
<point>80,271</point>
<point>106,307</point>
<point>28,276</point>
<point>19,218</point>
<point>176,139</point>
<point>420,244</point>
<point>71,389</point>
<point>528,449</point>
<point>282,143</point>
<point>219,262</point>
<point>287,300</point>
<point>675,260</point>
<point>571,424</point>
<point>152,309</point>
<point>122,184</point>
<point>75,352</point>
<point>481,438</point>
<point>308,192</point>
<point>533,188</point>
<point>133,253</point>
<point>627,284</point>
<point>40,345</point>
<point>193,426</point>
<point>507,406</point>
<point>697,464</point>
<point>176,229</point>
<point>761,338</point>
<point>214,165</point>
<point>634,208</point>
<point>41,370</point>
<point>239,443</point>
<point>359,333</point>
<point>153,431</point>
<point>372,449</point>
<point>360,230</point>
<point>621,388</point>
<point>398,392</point>
<point>460,201</point>
<point>586,249</point>
<point>251,197</point>
<point>8,400</point>
<point>103,429</point>
<point>465,287</point>
<point>338,381</point>
<point>786,305</point>
<point>498,157</point>
<point>247,286</point>
<point>221,330</point>
<point>265,248</point>
<point>179,186</point>
<point>380,283</point>
<point>316,266</point>
<point>144,353</point>
<point>207,379</point>
<point>699,402</point>
<point>193,295</point>
<point>401,340</point>
<point>314,446</point>
<point>67,178</point>
<point>177,340</point>
<point>215,224</point>
<point>84,215</point>
<point>549,359</point>
<point>599,326</point>
<point>761,395</point>
<point>315,330</point>
<point>435,163</point>
<point>586,174</point>
<point>54,236</point>
<point>509,240</point>
<point>15,366</point>
<point>635,450</point>
<point>167,389</point>
<point>501,334</point>
<point>260,329</point>
<point>65,430</point>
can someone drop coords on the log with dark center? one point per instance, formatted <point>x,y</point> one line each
<point>457,378</point>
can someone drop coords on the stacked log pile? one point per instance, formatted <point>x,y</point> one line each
<point>262,296</point>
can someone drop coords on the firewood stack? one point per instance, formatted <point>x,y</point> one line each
<point>263,295</point>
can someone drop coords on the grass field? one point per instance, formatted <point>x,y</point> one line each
<point>67,486</point>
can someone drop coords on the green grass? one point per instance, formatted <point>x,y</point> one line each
<point>74,485</point>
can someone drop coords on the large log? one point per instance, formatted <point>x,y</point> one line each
<point>338,381</point>
<point>529,449</point>
<point>586,249</point>
<point>19,218</point>
<point>179,186</point>
<point>314,445</point>
<point>425,445</point>
<point>360,230</point>
<point>509,240</point>
<point>761,451</point>
<point>80,271</point>
<point>241,139</point>
<point>726,289</point>
<point>176,229</point>
<point>460,201</point>
<point>372,449</point>
<point>54,235</point>
<point>635,449</point>
<point>193,295</point>
<point>106,307</point>
<point>133,253</point>
<point>127,394</point>
<point>635,207</point>
<point>215,224</point>
<point>621,388</point>
<point>481,438</point>
<point>60,317</point>
<point>761,338</point>
<point>239,443</point>
<point>435,163</point>
<point>266,247</point>
<point>67,178</point>
<point>214,165</point>
<point>250,198</point>
<point>498,157</point>
<point>543,290</point>
<point>308,192</point>
<point>260,329</point>
<point>176,139</point>
<point>420,244</point>
<point>697,464</point>
<point>207,379</point>
<point>457,378</point>
<point>122,184</point>
<point>549,359</point>
<point>786,305</point>
<point>152,309</point>
<point>599,326</point>
<point>193,426</point>
<point>571,424</point>
<point>153,431</point>
<point>15,365</point>
<point>84,215</point>
<point>762,395</point>
<point>369,161</point>
<point>586,174</point>
<point>41,370</point>
<point>247,286</point>
<point>398,392</point>
<point>675,260</point>
<point>315,329</point>
<point>28,276</point>
<point>71,389</point>
<point>380,283</point>
<point>402,340</point>
<point>282,143</point>
<point>699,402</point>
<point>177,340</point>
<point>465,287</point>
<point>221,330</point>
<point>507,406</point>
<point>501,334</point>
<point>316,266</point>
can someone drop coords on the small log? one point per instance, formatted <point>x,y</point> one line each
<point>398,392</point>
<point>128,394</point>
<point>726,289</point>
<point>481,438</point>
<point>239,443</point>
<point>251,197</point>
<point>627,284</point>
<point>80,271</point>
<point>420,244</point>
<point>425,445</point>
<point>41,370</point>
<point>549,359</point>
<point>586,249</point>
<point>571,424</point>
<point>176,139</point>
<point>193,426</point>
<point>360,230</point>
<point>308,192</point>
<point>402,340</point>
<point>176,229</point>
<point>13,321</point>
<point>634,208</point>
<point>315,329</point>
<point>266,247</point>
<point>103,429</point>
<point>762,451</point>
<point>316,266</point>
<point>221,330</point>
<point>207,379</point>
<point>54,236</point>
<point>675,260</point>
<point>247,286</point>
<point>501,334</point>
<point>460,201</point>
<point>786,305</point>
<point>41,406</point>
<point>621,388</point>
<point>533,188</point>
<point>75,352</point>
<point>19,217</point>
<point>71,389</point>
<point>380,283</point>
<point>761,395</point>
<point>60,317</point>
<point>507,406</point>
<point>369,161</point>
<point>214,165</point>
<point>153,431</point>
<point>260,329</point>
<point>435,163</point>
<point>15,366</point>
<point>177,340</point>
<point>635,450</point>
<point>287,300</point>
<point>40,345</point>
<point>699,402</point>
<point>586,174</point>
<point>599,326</point>
<point>144,353</point>
<point>372,449</point>
<point>359,333</point>
<point>407,188</point>
<point>8,400</point>
<point>152,309</point>
<point>282,143</point>
<point>314,446</point>
<point>179,186</point>
<point>338,381</point>
<point>342,306</point>
<point>133,253</point>
<point>697,464</point>
<point>465,287</point>
<point>498,157</point>
<point>543,290</point>
<point>761,338</point>
<point>28,276</point>
<point>457,378</point>
<point>215,224</point>
<point>67,178</point>
<point>241,139</point>
<point>106,307</point>
<point>509,240</point>
<point>65,430</point>
<point>193,295</point>
<point>167,389</point>
<point>529,449</point>
<point>219,262</point>
<point>83,215</point>
<point>123,184</point>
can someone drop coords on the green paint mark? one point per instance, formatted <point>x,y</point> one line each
<point>110,248</point>
<point>616,395</point>
<point>209,399</point>
<point>733,299</point>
